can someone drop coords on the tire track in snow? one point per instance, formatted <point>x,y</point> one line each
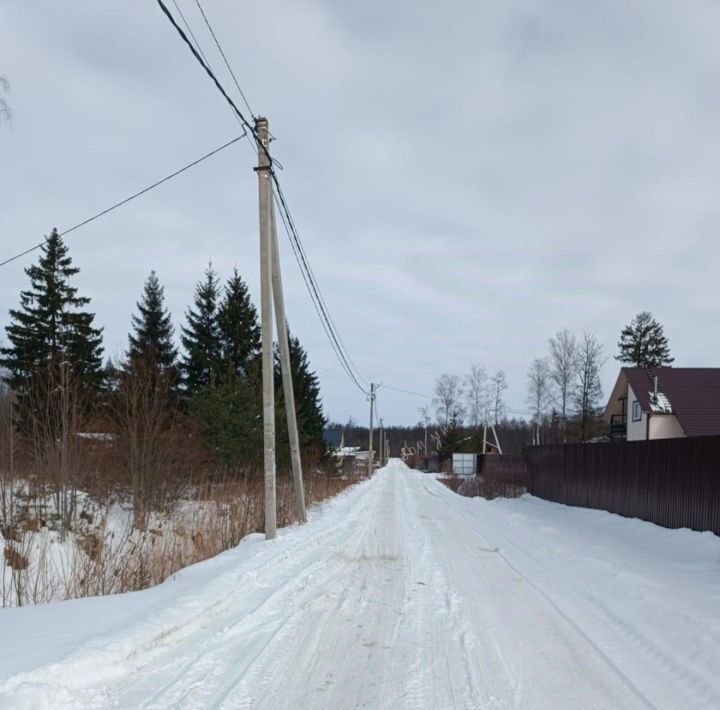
<point>440,492</point>
<point>647,702</point>
<point>254,619</point>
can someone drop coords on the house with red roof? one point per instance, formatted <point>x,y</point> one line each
<point>664,403</point>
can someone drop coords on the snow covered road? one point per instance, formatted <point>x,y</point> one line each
<point>400,594</point>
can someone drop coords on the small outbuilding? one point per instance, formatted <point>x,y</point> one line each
<point>334,439</point>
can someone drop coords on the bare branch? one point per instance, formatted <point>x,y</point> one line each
<point>5,111</point>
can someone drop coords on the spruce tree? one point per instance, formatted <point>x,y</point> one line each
<point>308,404</point>
<point>152,336</point>
<point>231,407</point>
<point>201,335</point>
<point>238,325</point>
<point>452,436</point>
<point>643,344</point>
<point>51,325</point>
<point>230,411</point>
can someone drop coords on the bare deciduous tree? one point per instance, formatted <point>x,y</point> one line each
<point>7,456</point>
<point>144,415</point>
<point>497,404</point>
<point>563,369</point>
<point>448,398</point>
<point>588,390</point>
<point>538,396</point>
<point>5,111</point>
<point>56,410</point>
<point>538,388</point>
<point>476,393</point>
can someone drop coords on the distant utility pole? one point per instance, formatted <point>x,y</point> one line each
<point>372,414</point>
<point>271,291</point>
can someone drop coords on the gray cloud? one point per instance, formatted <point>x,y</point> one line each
<point>468,177</point>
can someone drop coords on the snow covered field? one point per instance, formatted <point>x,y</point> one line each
<point>397,594</point>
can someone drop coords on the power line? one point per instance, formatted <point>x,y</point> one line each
<point>329,314</point>
<point>128,199</point>
<point>318,309</point>
<point>287,219</point>
<point>222,54</point>
<point>200,50</point>
<point>204,64</point>
<point>192,34</point>
<point>207,69</point>
<point>415,394</point>
<point>313,285</point>
<point>315,305</point>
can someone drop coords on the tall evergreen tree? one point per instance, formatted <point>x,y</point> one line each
<point>452,437</point>
<point>238,325</point>
<point>201,335</point>
<point>152,336</point>
<point>643,343</point>
<point>308,404</point>
<point>231,407</point>
<point>51,325</point>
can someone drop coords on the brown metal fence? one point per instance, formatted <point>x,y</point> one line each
<point>671,482</point>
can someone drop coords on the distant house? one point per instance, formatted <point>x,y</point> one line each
<point>334,439</point>
<point>664,403</point>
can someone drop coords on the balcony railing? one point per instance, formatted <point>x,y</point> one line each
<point>618,426</point>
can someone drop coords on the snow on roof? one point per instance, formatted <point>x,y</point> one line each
<point>659,403</point>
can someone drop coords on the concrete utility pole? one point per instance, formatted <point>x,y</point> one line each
<point>271,292</point>
<point>266,316</point>
<point>282,331</point>
<point>372,414</point>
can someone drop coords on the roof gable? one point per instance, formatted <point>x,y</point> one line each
<point>693,394</point>
<point>642,385</point>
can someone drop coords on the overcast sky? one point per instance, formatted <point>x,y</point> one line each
<point>468,177</point>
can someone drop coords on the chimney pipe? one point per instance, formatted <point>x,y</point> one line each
<point>655,384</point>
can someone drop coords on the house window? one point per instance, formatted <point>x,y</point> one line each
<point>636,411</point>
